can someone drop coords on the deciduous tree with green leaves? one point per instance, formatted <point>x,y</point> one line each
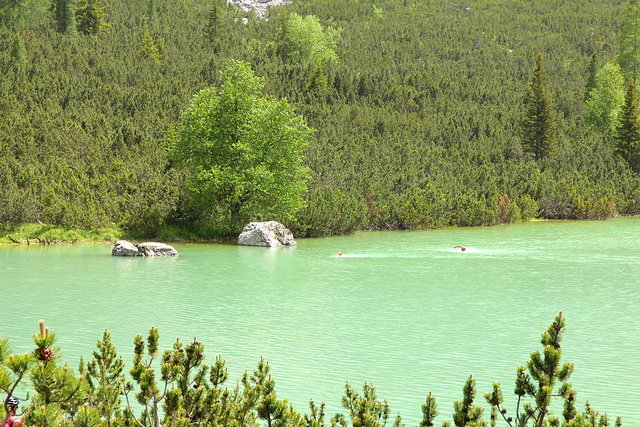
<point>605,101</point>
<point>538,128</point>
<point>308,41</point>
<point>244,151</point>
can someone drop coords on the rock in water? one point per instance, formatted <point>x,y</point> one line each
<point>156,249</point>
<point>269,233</point>
<point>125,248</point>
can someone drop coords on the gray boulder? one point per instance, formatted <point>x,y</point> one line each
<point>269,234</point>
<point>156,249</point>
<point>125,248</point>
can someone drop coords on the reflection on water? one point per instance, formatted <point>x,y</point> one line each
<point>404,310</point>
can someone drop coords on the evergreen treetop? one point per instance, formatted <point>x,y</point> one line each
<point>538,127</point>
<point>628,132</point>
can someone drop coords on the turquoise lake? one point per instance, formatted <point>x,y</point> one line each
<point>402,310</point>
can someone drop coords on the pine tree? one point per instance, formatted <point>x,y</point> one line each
<point>592,71</point>
<point>429,411</point>
<point>466,413</point>
<point>150,47</point>
<point>152,14</point>
<point>90,16</point>
<point>318,79</point>
<point>216,31</point>
<point>628,132</point>
<point>65,15</point>
<point>57,391</point>
<point>19,52</point>
<point>19,14</point>
<point>282,35</point>
<point>629,40</point>
<point>104,375</point>
<point>538,128</point>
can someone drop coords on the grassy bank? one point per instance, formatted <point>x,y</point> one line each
<point>37,233</point>
<point>44,234</point>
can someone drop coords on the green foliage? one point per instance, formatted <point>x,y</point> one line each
<point>308,41</point>
<point>465,411</point>
<point>592,71</point>
<point>22,14</point>
<point>216,32</point>
<point>605,101</point>
<point>244,150</point>
<point>429,411</point>
<point>58,393</point>
<point>628,132</point>
<point>152,14</point>
<point>189,392</point>
<point>539,130</point>
<point>91,17</point>
<point>416,123</point>
<point>104,375</point>
<point>629,40</point>
<point>365,410</point>
<point>19,53</point>
<point>65,15</point>
<point>151,47</point>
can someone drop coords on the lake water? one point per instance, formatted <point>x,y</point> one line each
<point>402,310</point>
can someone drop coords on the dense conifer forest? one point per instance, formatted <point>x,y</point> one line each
<point>418,109</point>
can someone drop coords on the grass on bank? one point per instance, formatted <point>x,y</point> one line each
<point>39,233</point>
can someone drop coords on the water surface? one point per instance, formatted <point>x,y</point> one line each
<point>402,310</point>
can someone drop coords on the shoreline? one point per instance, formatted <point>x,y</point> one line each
<point>34,234</point>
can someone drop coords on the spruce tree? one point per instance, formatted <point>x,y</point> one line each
<point>592,71</point>
<point>65,15</point>
<point>152,14</point>
<point>538,128</point>
<point>216,31</point>
<point>20,14</point>
<point>628,132</point>
<point>628,40</point>
<point>19,52</point>
<point>151,47</point>
<point>90,16</point>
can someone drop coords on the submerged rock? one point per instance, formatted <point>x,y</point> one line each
<point>125,248</point>
<point>268,233</point>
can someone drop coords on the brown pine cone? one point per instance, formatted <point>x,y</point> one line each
<point>46,353</point>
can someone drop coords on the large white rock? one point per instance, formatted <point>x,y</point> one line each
<point>125,248</point>
<point>269,233</point>
<point>156,249</point>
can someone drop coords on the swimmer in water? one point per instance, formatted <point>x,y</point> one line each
<point>462,248</point>
<point>339,254</point>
